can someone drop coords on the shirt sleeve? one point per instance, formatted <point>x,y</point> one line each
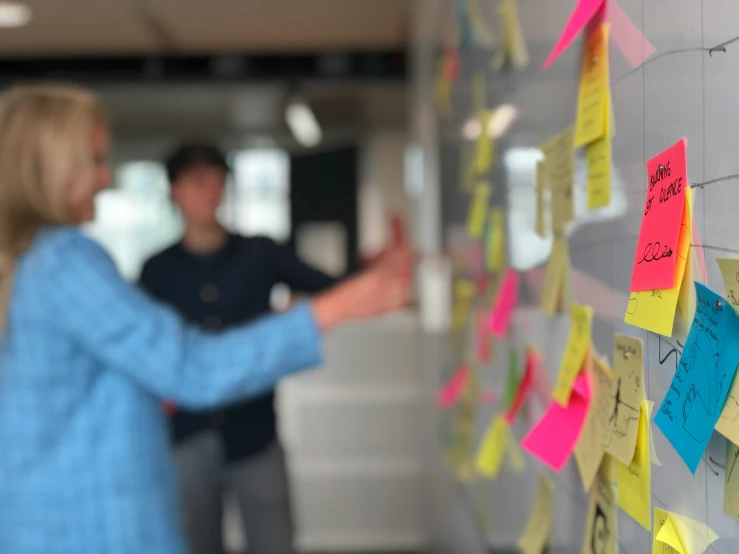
<point>120,325</point>
<point>299,276</point>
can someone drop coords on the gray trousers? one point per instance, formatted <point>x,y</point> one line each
<point>259,485</point>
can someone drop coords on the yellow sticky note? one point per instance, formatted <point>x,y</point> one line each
<point>590,447</point>
<point>513,453</point>
<point>443,89</point>
<point>655,310</point>
<point>489,457</point>
<point>478,210</point>
<point>536,534</point>
<point>514,48</point>
<point>628,375</point>
<point>556,279</point>
<point>730,272</point>
<point>731,481</point>
<point>466,168</point>
<point>541,184</point>
<point>593,101</point>
<point>496,240</point>
<point>602,519</point>
<point>575,352</point>
<point>677,533</point>
<point>728,423</point>
<point>634,480</point>
<point>598,155</point>
<point>560,169</point>
<point>485,145</point>
<point>464,292</point>
<point>652,448</point>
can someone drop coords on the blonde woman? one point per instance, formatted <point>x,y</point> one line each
<point>85,358</point>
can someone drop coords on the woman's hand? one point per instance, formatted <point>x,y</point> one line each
<point>384,287</point>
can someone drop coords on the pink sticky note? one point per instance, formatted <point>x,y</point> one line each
<point>488,396</point>
<point>584,12</point>
<point>454,387</point>
<point>524,387</point>
<point>482,339</point>
<point>505,303</point>
<point>656,250</point>
<point>554,436</point>
<point>630,40</point>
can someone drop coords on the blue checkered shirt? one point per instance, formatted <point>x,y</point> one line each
<point>85,466</point>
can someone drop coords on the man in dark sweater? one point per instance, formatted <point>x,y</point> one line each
<point>216,279</point>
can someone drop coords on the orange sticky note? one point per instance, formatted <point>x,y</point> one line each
<point>656,250</point>
<point>584,12</point>
<point>554,436</point>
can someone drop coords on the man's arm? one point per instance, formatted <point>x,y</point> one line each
<point>297,275</point>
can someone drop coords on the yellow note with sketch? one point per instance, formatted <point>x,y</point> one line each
<point>593,103</point>
<point>728,422</point>
<point>677,533</point>
<point>654,310</point>
<point>601,525</point>
<point>628,376</point>
<point>634,479</point>
<point>575,353</point>
<point>536,534</point>
<point>556,279</point>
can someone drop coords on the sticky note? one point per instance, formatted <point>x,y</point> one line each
<point>454,387</point>
<point>513,453</point>
<point>628,376</point>
<point>728,423</point>
<point>590,448</point>
<point>513,49</point>
<point>598,157</point>
<point>464,292</point>
<point>556,278</point>
<point>466,168</point>
<point>592,107</point>
<point>699,389</point>
<point>442,89</point>
<point>576,350</point>
<point>655,310</point>
<point>484,145</point>
<point>554,436</point>
<point>583,13</point>
<point>731,481</point>
<point>602,517</point>
<point>628,38</point>
<point>634,479</point>
<point>535,535</point>
<point>655,259</point>
<point>540,187</point>
<point>523,387</point>
<point>559,157</point>
<point>512,380</point>
<point>677,533</point>
<point>495,242</point>
<point>489,457</point>
<point>652,448</point>
<point>505,303</point>
<point>478,210</point>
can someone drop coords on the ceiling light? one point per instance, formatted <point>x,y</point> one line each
<point>14,14</point>
<point>503,118</point>
<point>303,123</point>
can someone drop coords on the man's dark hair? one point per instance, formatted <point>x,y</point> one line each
<point>187,156</point>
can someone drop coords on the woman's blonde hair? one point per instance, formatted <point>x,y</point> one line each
<point>45,134</point>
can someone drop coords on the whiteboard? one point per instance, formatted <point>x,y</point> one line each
<point>681,91</point>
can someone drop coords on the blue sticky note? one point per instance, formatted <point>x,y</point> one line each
<point>703,377</point>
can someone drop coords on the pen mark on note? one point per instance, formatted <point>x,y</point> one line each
<point>733,465</point>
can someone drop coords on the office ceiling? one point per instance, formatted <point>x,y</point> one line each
<point>64,27</point>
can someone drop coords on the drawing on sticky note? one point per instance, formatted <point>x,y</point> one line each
<point>699,388</point>
<point>731,481</point>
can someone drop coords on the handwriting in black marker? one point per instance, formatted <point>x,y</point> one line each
<point>672,351</point>
<point>733,465</point>
<point>652,253</point>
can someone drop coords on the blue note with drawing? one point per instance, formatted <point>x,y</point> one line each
<point>703,377</point>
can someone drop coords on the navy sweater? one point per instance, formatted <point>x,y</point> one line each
<point>228,287</point>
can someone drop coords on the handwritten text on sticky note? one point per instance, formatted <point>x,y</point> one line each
<point>575,352</point>
<point>592,107</point>
<point>699,389</point>
<point>655,259</point>
<point>628,376</point>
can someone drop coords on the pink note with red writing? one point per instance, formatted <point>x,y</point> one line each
<point>454,387</point>
<point>505,303</point>
<point>656,250</point>
<point>554,436</point>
